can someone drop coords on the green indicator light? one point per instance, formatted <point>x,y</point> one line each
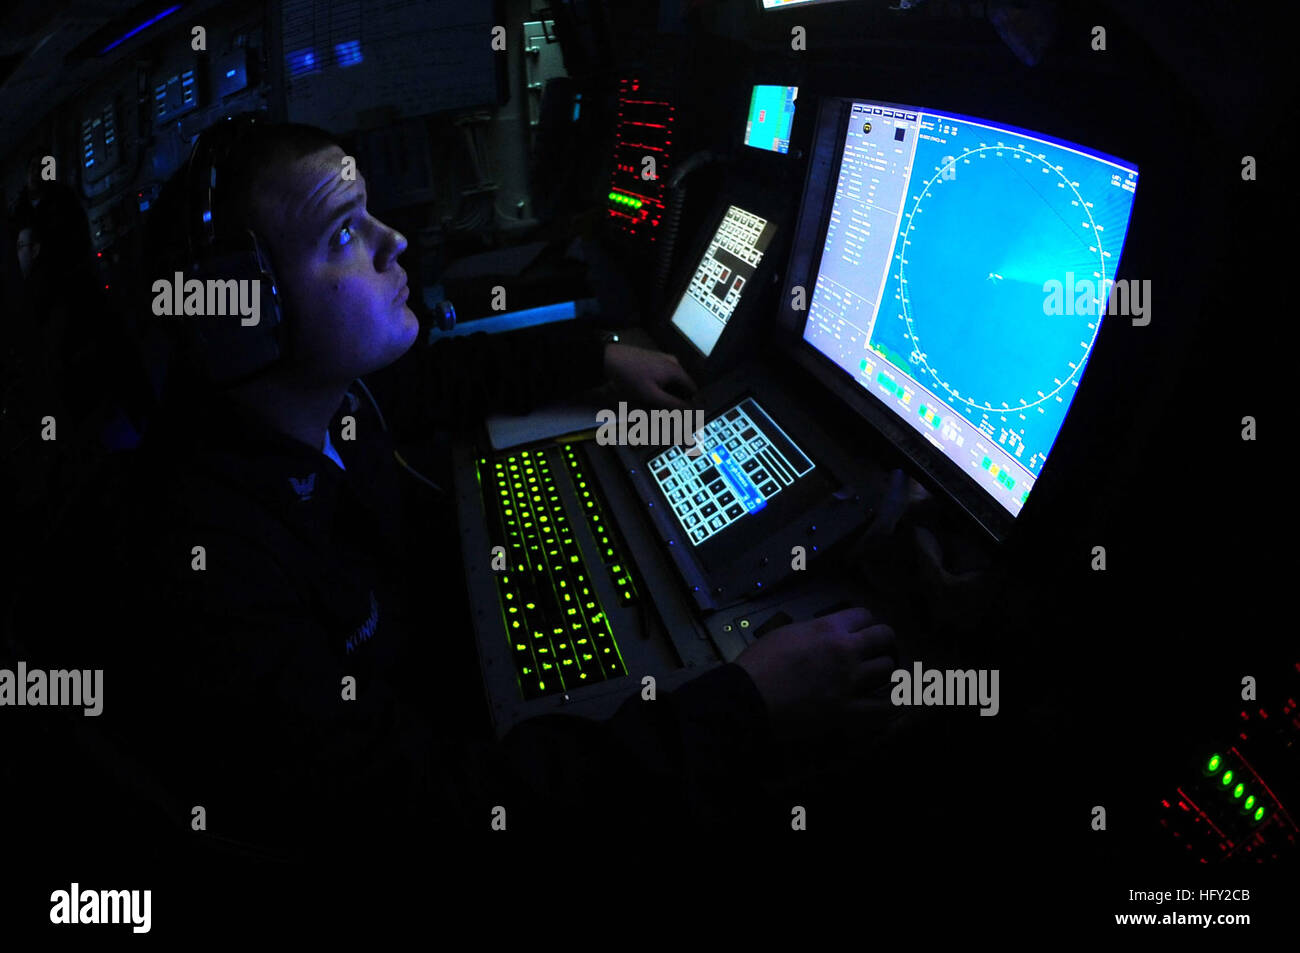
<point>1250,802</point>
<point>1239,790</point>
<point>1259,813</point>
<point>1227,778</point>
<point>1213,764</point>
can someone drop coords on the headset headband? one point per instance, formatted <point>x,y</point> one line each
<point>211,152</point>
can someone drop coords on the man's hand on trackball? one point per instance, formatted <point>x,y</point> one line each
<point>822,668</point>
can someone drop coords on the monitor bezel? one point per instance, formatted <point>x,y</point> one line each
<point>738,337</point>
<point>807,247</point>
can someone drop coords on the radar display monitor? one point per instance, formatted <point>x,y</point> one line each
<point>719,282</point>
<point>771,116</point>
<point>965,272</point>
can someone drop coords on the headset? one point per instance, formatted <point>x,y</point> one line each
<point>225,350</point>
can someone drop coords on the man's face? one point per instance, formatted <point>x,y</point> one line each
<point>337,266</point>
<point>28,249</point>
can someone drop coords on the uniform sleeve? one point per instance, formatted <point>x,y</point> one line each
<point>237,706</point>
<point>222,688</point>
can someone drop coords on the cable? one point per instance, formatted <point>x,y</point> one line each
<point>373,403</point>
<point>416,473</point>
<point>673,216</point>
<point>396,456</point>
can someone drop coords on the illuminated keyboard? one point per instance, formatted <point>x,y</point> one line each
<point>747,460</point>
<point>601,530</point>
<point>558,629</point>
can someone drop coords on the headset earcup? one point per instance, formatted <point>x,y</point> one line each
<point>240,331</point>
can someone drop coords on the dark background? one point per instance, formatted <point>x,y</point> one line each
<point>1114,684</point>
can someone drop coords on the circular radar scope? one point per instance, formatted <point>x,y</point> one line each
<point>981,238</point>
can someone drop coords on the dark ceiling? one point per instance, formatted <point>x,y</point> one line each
<point>1230,56</point>
<point>37,67</point>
